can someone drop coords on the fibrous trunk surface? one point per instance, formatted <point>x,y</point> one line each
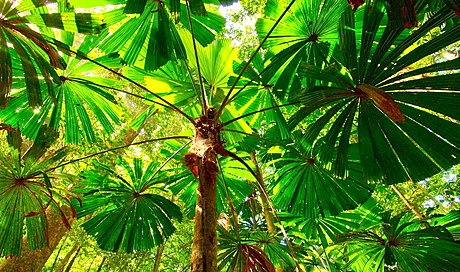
<point>202,161</point>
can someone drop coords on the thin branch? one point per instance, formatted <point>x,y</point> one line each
<point>227,97</point>
<point>272,207</point>
<point>163,164</point>
<point>112,149</point>
<point>203,92</point>
<point>116,89</point>
<point>82,56</point>
<point>262,110</point>
<point>409,204</point>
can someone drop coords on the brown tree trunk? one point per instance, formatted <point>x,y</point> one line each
<point>156,265</point>
<point>204,248</point>
<point>269,219</point>
<point>132,134</point>
<point>202,161</point>
<point>34,260</point>
<point>407,202</point>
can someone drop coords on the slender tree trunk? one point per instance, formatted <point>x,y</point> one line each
<point>34,260</point>
<point>267,212</point>
<point>202,160</point>
<point>269,219</point>
<point>156,265</point>
<point>204,249</point>
<point>407,202</point>
<point>132,134</point>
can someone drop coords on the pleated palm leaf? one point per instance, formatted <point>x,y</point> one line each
<point>402,119</point>
<point>75,101</point>
<point>244,254</point>
<point>127,215</point>
<point>303,187</point>
<point>304,36</point>
<point>325,231</point>
<point>450,221</point>
<point>69,100</point>
<point>255,93</point>
<point>403,246</point>
<point>24,50</point>
<point>152,39</point>
<point>26,192</point>
<point>172,82</point>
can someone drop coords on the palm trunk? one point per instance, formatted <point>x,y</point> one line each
<point>204,248</point>
<point>202,160</point>
<point>132,134</point>
<point>409,205</point>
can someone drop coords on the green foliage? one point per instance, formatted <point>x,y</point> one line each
<point>129,217</point>
<point>391,116</point>
<point>26,193</point>
<point>400,243</point>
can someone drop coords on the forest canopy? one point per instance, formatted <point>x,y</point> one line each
<point>220,135</point>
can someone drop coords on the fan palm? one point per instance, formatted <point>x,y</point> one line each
<point>127,215</point>
<point>21,46</point>
<point>26,191</point>
<point>402,245</point>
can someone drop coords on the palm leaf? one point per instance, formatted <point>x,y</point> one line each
<point>403,247</point>
<point>400,128</point>
<point>29,47</point>
<point>154,31</point>
<point>129,217</point>
<point>303,37</point>
<point>26,194</point>
<point>72,103</point>
<point>242,255</point>
<point>303,187</point>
